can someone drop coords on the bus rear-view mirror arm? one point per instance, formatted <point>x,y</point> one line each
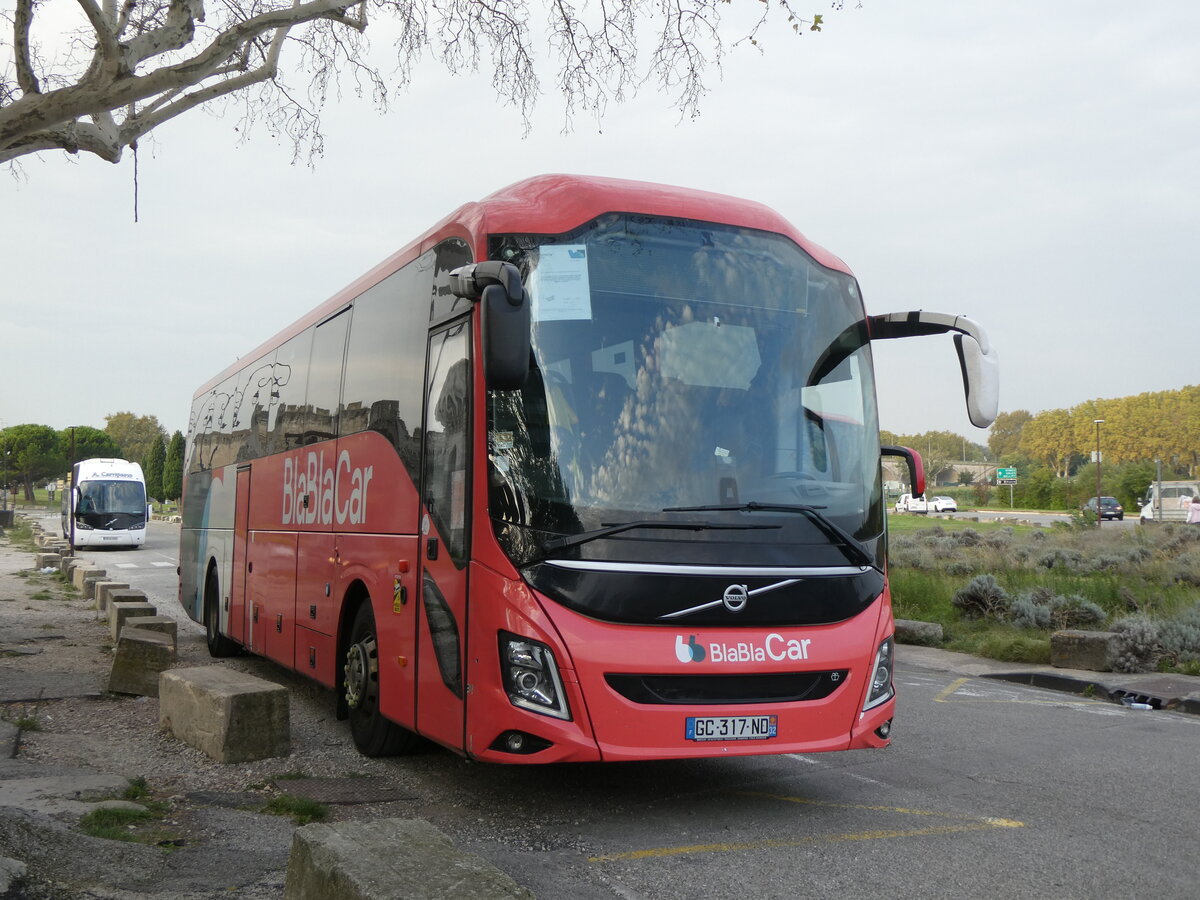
<point>916,466</point>
<point>504,304</point>
<point>976,357</point>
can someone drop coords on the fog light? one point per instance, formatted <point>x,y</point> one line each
<point>519,743</point>
<point>885,729</point>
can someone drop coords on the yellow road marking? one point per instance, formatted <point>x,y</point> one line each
<point>968,823</point>
<point>954,686</point>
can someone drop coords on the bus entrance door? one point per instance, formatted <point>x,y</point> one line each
<point>445,524</point>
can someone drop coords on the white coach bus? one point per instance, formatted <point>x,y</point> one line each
<point>104,504</point>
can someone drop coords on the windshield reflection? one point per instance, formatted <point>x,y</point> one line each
<point>682,364</point>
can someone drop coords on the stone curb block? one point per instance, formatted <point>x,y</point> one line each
<point>1075,649</point>
<point>140,659</point>
<point>925,634</point>
<point>231,716</point>
<point>120,610</point>
<point>389,859</point>
<point>104,590</point>
<point>80,573</point>
<point>161,624</point>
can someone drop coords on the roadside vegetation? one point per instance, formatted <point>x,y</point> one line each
<point>1000,591</point>
<point>142,823</point>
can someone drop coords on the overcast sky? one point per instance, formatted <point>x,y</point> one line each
<point>1033,165</point>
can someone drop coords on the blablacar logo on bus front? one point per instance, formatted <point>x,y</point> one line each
<point>774,647</point>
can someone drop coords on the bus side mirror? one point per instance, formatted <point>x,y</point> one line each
<point>916,467</point>
<point>505,338</point>
<point>976,357</point>
<point>981,380</point>
<point>505,307</point>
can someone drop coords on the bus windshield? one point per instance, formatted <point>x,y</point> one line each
<point>686,373</point>
<point>112,497</point>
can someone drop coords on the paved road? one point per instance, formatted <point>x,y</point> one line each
<point>988,790</point>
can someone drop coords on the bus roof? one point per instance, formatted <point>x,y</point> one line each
<point>552,204</point>
<point>100,468</point>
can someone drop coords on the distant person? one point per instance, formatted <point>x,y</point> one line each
<point>1193,516</point>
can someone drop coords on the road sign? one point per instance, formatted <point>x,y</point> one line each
<point>1006,476</point>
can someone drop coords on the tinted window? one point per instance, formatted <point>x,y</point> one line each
<point>325,380</point>
<point>448,427</point>
<point>447,256</point>
<point>289,374</point>
<point>385,362</point>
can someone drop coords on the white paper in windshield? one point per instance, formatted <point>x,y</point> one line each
<point>560,286</point>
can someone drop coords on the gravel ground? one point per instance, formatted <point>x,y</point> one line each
<point>214,837</point>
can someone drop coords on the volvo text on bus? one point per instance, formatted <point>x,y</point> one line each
<point>589,471</point>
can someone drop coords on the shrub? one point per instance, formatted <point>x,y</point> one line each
<point>1075,612</point>
<point>1179,638</point>
<point>968,537</point>
<point>1025,612</point>
<point>982,598</point>
<point>1136,644</point>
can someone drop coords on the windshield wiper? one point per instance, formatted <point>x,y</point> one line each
<point>574,540</point>
<point>854,547</point>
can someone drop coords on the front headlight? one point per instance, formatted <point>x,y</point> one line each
<point>881,676</point>
<point>531,676</point>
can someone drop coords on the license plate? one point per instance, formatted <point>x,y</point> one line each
<point>731,728</point>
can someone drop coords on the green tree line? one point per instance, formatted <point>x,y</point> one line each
<point>32,454</point>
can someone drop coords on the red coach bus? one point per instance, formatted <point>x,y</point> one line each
<point>590,471</point>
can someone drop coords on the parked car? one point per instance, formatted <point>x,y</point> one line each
<point>909,503</point>
<point>943,504</point>
<point>1109,508</point>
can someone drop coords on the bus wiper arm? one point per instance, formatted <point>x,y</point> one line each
<point>574,540</point>
<point>855,549</point>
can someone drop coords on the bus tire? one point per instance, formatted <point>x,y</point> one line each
<point>373,734</point>
<point>219,646</point>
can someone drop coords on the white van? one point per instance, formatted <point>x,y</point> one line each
<point>909,503</point>
<point>1170,504</point>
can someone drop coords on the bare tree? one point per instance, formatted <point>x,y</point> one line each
<point>123,67</point>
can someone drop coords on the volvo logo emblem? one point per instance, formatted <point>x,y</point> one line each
<point>735,597</point>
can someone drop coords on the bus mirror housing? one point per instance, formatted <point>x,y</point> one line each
<point>505,308</point>
<point>916,466</point>
<point>976,357</point>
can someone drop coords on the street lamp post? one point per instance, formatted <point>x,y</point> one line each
<point>1099,518</point>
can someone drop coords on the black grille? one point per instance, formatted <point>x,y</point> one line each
<point>788,687</point>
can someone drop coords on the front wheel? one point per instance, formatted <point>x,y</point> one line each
<point>373,734</point>
<point>219,646</point>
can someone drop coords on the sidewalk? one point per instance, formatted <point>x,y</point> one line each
<point>1179,693</point>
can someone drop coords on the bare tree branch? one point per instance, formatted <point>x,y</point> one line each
<point>139,63</point>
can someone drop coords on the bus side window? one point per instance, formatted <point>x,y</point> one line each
<point>385,360</point>
<point>288,382</point>
<point>322,401</point>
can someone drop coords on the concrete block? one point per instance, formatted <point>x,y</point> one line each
<point>120,610</point>
<point>1090,650</point>
<point>79,573</point>
<point>89,585</point>
<point>103,590</point>
<point>231,716</point>
<point>389,859</point>
<point>140,659</point>
<point>924,634</point>
<point>160,624</point>
<point>42,560</point>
